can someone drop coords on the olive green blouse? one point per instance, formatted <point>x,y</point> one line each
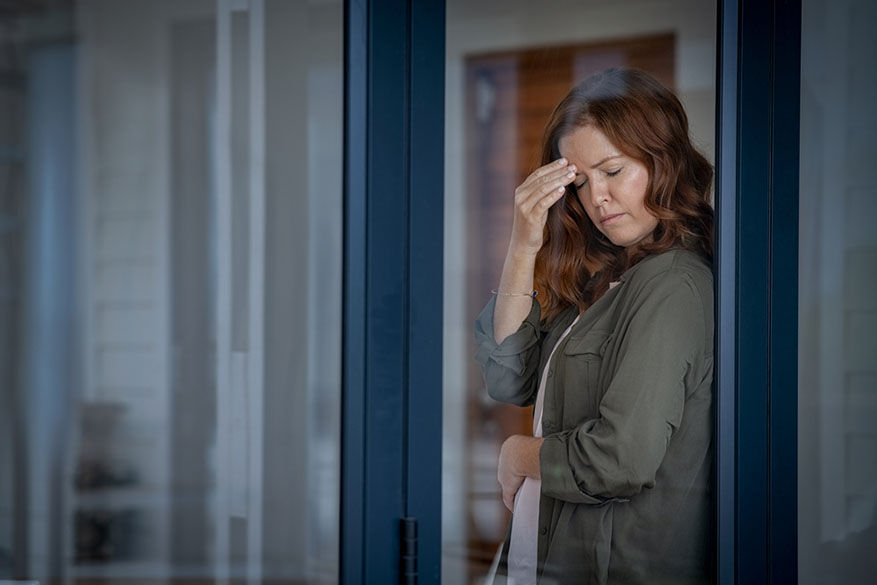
<point>628,425</point>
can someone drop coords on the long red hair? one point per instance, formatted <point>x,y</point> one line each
<point>645,121</point>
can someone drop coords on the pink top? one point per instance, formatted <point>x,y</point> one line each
<point>523,548</point>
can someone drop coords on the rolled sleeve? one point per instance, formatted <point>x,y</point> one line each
<point>618,454</point>
<point>509,368</point>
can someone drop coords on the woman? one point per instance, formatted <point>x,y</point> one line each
<point>603,319</point>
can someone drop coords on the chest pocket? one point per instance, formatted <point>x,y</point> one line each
<point>583,386</point>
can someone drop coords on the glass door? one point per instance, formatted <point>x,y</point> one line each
<point>502,85</point>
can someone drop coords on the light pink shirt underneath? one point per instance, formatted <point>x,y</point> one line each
<point>523,548</point>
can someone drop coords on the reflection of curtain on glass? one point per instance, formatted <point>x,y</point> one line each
<point>304,90</point>
<point>193,395</point>
<point>48,377</point>
<point>279,176</point>
<point>240,205</point>
<point>124,150</point>
<point>324,201</point>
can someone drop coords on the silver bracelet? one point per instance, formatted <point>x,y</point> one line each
<point>502,294</point>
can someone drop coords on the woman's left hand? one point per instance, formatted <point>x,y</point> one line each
<point>518,459</point>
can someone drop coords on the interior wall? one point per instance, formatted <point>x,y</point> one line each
<point>495,25</point>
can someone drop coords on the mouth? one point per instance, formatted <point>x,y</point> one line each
<point>610,218</point>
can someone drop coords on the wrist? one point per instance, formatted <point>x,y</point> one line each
<point>522,253</point>
<point>523,455</point>
<point>522,243</point>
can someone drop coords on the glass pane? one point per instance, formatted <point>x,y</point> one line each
<point>837,331</point>
<point>508,66</point>
<point>170,290</point>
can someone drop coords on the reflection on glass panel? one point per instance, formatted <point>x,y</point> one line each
<point>837,440</point>
<point>170,290</point>
<point>12,198</point>
<point>508,65</point>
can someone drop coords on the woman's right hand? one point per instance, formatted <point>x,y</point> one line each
<point>542,189</point>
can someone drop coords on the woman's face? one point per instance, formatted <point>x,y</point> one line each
<point>610,185</point>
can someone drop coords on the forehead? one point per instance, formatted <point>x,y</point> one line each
<point>586,146</point>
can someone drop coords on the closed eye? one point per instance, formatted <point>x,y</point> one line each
<point>607,173</point>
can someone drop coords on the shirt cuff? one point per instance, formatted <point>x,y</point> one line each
<point>558,479</point>
<point>512,351</point>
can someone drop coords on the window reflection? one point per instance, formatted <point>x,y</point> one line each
<point>837,377</point>
<point>170,280</point>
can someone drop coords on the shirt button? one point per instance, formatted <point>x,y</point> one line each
<point>550,373</point>
<point>543,531</point>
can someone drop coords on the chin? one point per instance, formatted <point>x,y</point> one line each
<point>627,242</point>
<point>621,242</point>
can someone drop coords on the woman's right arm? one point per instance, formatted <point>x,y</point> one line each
<point>507,330</point>
<point>533,198</point>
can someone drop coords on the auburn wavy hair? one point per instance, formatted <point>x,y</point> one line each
<point>645,121</point>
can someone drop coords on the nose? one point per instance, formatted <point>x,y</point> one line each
<point>599,192</point>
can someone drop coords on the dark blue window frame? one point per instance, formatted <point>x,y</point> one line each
<point>392,347</point>
<point>757,279</point>
<point>393,168</point>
